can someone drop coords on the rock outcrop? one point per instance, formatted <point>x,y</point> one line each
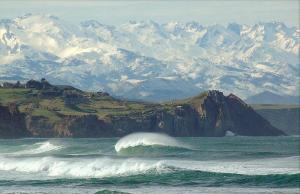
<point>229,113</point>
<point>210,115</point>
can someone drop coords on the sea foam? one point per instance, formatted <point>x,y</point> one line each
<point>81,168</point>
<point>113,167</point>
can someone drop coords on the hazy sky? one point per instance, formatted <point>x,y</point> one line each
<point>117,11</point>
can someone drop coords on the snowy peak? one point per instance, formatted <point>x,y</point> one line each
<point>218,36</point>
<point>143,59</point>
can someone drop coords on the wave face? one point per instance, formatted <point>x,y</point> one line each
<point>148,143</point>
<point>151,160</point>
<point>177,178</point>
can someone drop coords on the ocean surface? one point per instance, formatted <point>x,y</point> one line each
<point>151,163</point>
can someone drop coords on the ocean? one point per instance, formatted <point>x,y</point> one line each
<point>150,163</point>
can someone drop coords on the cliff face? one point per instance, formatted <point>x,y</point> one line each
<point>69,126</point>
<point>182,121</point>
<point>12,122</point>
<point>229,113</point>
<point>83,126</point>
<point>63,115</point>
<point>211,115</point>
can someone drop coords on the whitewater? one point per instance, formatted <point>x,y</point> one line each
<point>150,163</point>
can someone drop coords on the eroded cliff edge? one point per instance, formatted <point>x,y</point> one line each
<point>43,110</point>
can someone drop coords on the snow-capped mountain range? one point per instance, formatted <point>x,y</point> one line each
<point>152,61</point>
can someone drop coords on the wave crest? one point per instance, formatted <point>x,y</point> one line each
<point>39,148</point>
<point>139,142</point>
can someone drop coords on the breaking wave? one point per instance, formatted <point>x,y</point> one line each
<point>136,171</point>
<point>38,148</point>
<point>111,167</point>
<point>147,143</point>
<point>70,168</point>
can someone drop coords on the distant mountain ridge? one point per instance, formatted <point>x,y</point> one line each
<point>151,61</point>
<point>282,116</point>
<point>272,98</point>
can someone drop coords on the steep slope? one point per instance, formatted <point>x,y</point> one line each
<point>12,122</point>
<point>229,113</point>
<point>63,111</point>
<point>128,59</point>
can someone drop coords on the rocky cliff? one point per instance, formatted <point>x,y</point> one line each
<point>93,115</point>
<point>12,122</point>
<point>210,114</point>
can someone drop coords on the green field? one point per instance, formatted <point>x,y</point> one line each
<point>32,103</point>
